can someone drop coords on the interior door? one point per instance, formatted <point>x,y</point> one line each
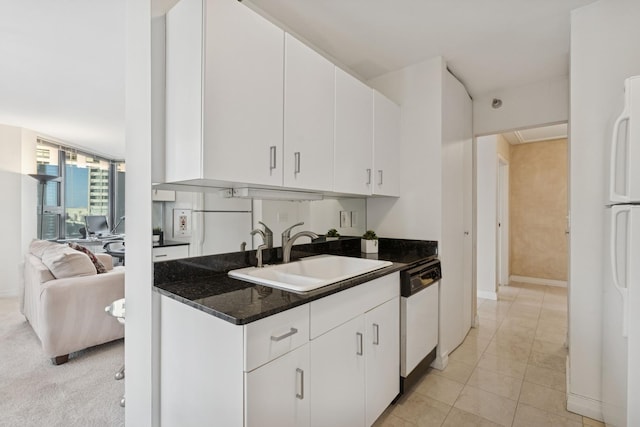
<point>502,256</point>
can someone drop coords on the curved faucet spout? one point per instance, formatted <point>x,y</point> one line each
<point>286,249</point>
<point>287,233</point>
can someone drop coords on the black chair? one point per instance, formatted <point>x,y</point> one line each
<point>115,248</point>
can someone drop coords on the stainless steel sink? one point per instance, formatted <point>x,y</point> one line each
<point>309,273</point>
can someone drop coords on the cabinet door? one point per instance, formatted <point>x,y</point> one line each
<point>353,135</point>
<point>382,347</point>
<point>337,381</point>
<point>243,102</point>
<point>386,146</point>
<point>276,394</point>
<point>183,98</point>
<point>308,117</point>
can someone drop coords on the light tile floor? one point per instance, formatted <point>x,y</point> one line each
<point>510,371</point>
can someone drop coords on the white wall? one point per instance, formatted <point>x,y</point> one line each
<point>536,104</point>
<point>417,213</point>
<point>19,195</point>
<point>604,51</point>
<point>10,176</point>
<point>486,188</point>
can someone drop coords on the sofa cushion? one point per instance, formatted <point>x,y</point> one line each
<point>37,247</point>
<point>66,262</point>
<point>100,268</point>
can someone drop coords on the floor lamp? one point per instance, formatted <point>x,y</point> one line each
<point>42,179</point>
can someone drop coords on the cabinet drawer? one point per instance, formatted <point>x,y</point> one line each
<point>274,336</point>
<point>170,252</point>
<point>329,312</point>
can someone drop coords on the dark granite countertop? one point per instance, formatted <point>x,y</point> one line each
<point>166,243</point>
<point>203,283</point>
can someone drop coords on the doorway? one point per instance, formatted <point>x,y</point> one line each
<point>521,183</point>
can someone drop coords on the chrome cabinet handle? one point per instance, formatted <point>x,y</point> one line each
<point>161,255</point>
<point>272,157</point>
<point>368,176</point>
<point>283,336</point>
<point>300,375</point>
<point>376,334</point>
<point>380,176</point>
<point>296,162</point>
<point>360,351</point>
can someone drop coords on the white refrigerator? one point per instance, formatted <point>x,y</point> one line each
<point>621,288</point>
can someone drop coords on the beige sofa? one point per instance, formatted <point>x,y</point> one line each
<point>64,298</point>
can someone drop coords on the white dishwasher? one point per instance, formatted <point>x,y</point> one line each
<point>418,320</point>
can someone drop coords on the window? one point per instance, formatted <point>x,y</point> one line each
<point>87,185</point>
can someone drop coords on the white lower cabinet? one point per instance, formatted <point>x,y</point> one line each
<point>356,369</point>
<point>337,383</point>
<point>277,394</point>
<point>382,368</point>
<point>331,362</point>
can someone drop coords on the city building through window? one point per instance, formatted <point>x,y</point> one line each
<point>87,184</point>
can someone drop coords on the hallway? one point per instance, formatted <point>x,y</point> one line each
<point>510,371</point>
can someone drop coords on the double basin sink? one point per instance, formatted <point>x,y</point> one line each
<point>309,273</point>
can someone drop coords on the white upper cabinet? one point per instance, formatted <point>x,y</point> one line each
<point>353,136</point>
<point>224,94</point>
<point>248,104</point>
<point>386,146</point>
<point>309,97</point>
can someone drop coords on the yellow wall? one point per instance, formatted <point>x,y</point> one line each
<point>538,209</point>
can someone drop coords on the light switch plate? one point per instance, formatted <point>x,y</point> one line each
<point>345,219</point>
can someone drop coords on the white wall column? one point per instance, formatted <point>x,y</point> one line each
<point>486,187</point>
<point>141,382</point>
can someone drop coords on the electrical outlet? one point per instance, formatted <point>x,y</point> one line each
<point>345,219</point>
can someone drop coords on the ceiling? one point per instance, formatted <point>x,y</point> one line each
<point>63,64</point>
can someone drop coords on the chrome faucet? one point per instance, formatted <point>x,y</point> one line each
<point>267,241</point>
<point>267,234</point>
<point>259,255</point>
<point>287,233</point>
<point>286,249</point>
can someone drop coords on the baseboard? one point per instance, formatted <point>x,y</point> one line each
<point>539,281</point>
<point>581,405</point>
<point>584,406</point>
<point>441,361</point>
<point>488,295</point>
<point>9,293</point>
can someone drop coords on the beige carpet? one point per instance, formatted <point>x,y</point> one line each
<point>33,392</point>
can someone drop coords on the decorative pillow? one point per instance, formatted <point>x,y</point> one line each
<point>100,268</point>
<point>38,247</point>
<point>65,262</point>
